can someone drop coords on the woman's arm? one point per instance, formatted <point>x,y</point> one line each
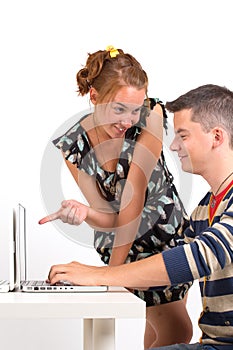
<point>98,214</point>
<point>147,152</point>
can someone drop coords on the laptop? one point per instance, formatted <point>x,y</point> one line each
<point>4,286</point>
<point>18,262</point>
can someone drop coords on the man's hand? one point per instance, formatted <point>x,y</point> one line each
<point>74,272</point>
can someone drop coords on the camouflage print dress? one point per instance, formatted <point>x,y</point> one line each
<point>163,217</point>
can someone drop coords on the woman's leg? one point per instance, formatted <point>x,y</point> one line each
<point>167,324</point>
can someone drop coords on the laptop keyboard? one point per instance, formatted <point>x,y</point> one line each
<point>43,286</point>
<point>34,283</point>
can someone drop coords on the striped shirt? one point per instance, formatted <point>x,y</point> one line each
<point>208,256</point>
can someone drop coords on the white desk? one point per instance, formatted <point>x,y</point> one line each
<point>99,312</point>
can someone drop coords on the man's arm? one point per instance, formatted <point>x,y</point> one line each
<point>141,274</point>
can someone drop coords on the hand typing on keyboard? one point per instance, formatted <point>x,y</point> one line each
<point>63,283</point>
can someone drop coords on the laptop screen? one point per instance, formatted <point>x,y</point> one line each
<point>18,268</point>
<point>18,260</point>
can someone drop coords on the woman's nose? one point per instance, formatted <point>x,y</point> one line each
<point>126,123</point>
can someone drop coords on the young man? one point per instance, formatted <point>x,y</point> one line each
<point>203,122</point>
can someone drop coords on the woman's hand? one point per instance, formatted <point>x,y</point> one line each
<point>71,212</point>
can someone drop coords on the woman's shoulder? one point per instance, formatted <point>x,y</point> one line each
<point>75,134</point>
<point>153,104</point>
<point>158,106</point>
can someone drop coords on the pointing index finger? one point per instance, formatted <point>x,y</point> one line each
<point>50,217</point>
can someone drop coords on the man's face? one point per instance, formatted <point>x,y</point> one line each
<point>192,144</point>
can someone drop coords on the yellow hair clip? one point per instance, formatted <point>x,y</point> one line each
<point>113,52</point>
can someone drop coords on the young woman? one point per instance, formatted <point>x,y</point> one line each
<point>115,155</point>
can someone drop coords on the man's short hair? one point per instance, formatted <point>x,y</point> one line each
<point>211,106</point>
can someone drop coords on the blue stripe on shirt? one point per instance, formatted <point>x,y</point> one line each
<point>203,268</point>
<point>216,248</point>
<point>217,318</point>
<point>217,288</point>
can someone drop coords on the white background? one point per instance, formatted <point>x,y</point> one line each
<point>181,44</point>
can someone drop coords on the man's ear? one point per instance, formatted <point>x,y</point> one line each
<point>93,95</point>
<point>218,136</point>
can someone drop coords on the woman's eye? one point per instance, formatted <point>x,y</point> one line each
<point>118,110</point>
<point>136,111</point>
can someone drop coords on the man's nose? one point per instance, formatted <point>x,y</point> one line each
<point>174,145</point>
